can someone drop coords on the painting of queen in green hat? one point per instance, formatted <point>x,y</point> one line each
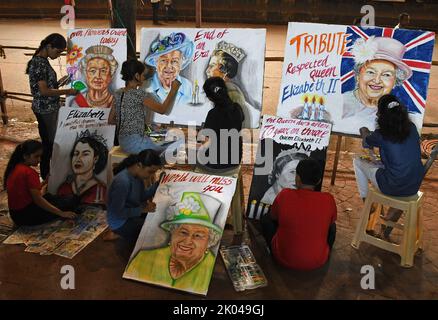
<point>187,262</point>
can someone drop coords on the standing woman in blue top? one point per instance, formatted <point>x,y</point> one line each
<point>401,171</point>
<point>128,198</point>
<point>45,92</point>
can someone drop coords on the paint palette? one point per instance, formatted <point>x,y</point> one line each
<point>242,268</point>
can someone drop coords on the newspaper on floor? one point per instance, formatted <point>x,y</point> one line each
<point>63,238</point>
<point>6,225</point>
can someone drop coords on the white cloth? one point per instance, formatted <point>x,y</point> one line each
<point>355,115</point>
<point>365,171</point>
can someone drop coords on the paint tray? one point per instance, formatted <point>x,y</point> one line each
<point>242,268</point>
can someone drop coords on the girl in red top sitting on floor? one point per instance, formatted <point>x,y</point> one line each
<point>27,206</point>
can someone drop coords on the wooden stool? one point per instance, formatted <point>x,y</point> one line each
<point>412,229</point>
<point>237,203</point>
<point>115,156</point>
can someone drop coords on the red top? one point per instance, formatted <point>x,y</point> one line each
<point>95,195</point>
<point>304,218</point>
<point>20,181</point>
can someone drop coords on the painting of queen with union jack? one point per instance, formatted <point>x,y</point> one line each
<point>380,61</point>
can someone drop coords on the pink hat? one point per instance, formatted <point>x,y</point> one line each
<point>383,48</point>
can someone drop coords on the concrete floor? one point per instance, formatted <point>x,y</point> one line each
<point>100,265</point>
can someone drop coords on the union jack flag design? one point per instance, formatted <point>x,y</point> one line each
<point>418,56</point>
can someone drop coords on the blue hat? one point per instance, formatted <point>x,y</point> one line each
<point>172,42</point>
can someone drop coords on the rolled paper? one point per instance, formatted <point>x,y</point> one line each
<point>260,210</point>
<point>251,209</point>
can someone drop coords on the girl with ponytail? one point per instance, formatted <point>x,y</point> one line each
<point>128,198</point>
<point>400,171</point>
<point>131,107</point>
<point>45,92</point>
<point>225,116</point>
<point>27,207</point>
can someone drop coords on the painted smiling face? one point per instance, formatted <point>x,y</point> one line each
<point>98,74</point>
<point>168,68</point>
<point>189,242</point>
<point>83,159</point>
<point>376,79</point>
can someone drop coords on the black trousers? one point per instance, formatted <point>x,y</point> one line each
<point>155,8</point>
<point>170,12</point>
<point>33,215</point>
<point>269,228</point>
<point>131,229</point>
<point>47,130</point>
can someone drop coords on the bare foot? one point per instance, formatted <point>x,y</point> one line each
<point>110,236</point>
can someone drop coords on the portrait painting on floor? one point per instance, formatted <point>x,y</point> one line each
<point>283,143</point>
<point>179,242</point>
<point>80,155</point>
<point>190,56</point>
<point>94,59</point>
<point>338,73</point>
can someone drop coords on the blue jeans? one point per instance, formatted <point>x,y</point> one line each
<point>136,143</point>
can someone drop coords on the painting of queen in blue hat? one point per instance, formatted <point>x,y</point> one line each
<point>169,56</point>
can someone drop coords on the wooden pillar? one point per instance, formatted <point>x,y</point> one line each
<point>3,102</point>
<point>124,16</point>
<point>198,14</point>
<point>335,164</point>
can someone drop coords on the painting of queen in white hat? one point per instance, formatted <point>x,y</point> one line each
<point>98,68</point>
<point>169,56</point>
<point>378,68</point>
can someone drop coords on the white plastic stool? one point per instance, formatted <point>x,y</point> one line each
<point>412,228</point>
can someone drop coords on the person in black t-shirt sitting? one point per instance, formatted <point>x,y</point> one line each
<point>222,150</point>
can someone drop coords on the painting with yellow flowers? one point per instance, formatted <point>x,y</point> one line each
<point>94,60</point>
<point>178,244</point>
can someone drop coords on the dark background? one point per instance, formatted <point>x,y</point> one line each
<point>423,12</point>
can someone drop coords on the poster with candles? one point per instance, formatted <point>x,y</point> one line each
<point>283,143</point>
<point>191,56</point>
<point>338,73</point>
